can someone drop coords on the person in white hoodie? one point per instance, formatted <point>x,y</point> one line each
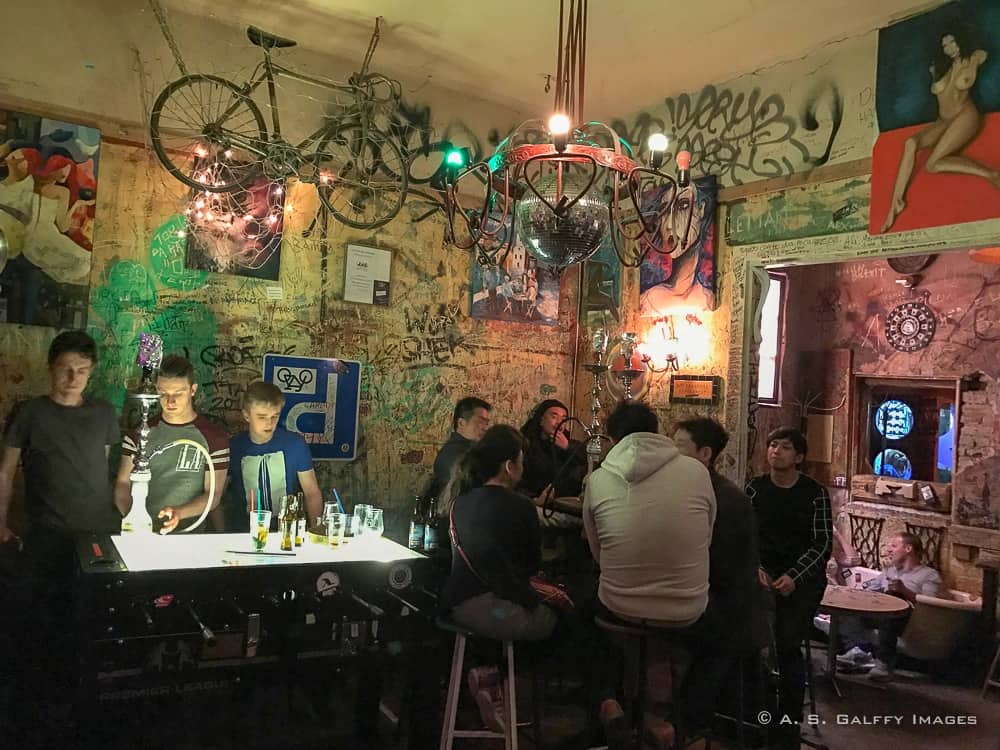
<point>648,512</point>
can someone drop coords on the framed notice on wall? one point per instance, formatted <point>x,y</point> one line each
<point>695,389</point>
<point>366,279</point>
<point>322,399</point>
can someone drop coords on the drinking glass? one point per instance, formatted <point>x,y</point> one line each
<point>360,522</point>
<point>260,525</point>
<point>336,525</point>
<point>373,522</point>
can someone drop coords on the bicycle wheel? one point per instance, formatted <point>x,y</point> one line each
<point>361,179</point>
<point>207,133</point>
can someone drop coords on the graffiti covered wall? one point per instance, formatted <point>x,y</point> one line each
<point>420,354</point>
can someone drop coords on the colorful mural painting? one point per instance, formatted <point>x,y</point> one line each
<point>937,158</point>
<point>683,280</point>
<point>48,191</point>
<point>814,210</point>
<point>519,289</point>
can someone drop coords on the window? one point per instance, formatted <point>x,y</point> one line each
<point>772,323</point>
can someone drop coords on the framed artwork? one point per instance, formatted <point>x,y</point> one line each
<point>602,284</point>
<point>683,281</point>
<point>48,194</point>
<point>937,95</point>
<point>520,289</point>
<point>237,232</point>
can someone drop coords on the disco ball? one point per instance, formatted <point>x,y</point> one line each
<point>561,241</point>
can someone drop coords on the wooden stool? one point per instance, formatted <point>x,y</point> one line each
<point>640,633</point>
<point>992,674</point>
<point>448,731</point>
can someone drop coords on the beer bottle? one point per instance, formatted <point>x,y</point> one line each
<point>286,519</point>
<point>301,519</point>
<point>431,526</point>
<point>417,525</point>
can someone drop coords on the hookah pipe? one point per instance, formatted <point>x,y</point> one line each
<point>594,438</point>
<point>149,358</point>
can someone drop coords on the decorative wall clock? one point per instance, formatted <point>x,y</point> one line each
<point>910,326</point>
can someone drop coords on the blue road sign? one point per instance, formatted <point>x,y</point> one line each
<point>322,398</point>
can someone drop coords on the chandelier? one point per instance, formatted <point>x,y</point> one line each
<point>565,187</point>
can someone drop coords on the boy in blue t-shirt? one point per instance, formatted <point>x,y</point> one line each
<point>269,460</point>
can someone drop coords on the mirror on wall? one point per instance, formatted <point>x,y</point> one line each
<point>906,429</point>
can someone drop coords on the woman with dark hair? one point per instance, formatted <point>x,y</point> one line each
<point>953,74</point>
<point>496,544</point>
<point>496,549</point>
<point>552,457</point>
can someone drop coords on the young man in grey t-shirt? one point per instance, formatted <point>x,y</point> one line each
<point>62,440</point>
<point>178,490</point>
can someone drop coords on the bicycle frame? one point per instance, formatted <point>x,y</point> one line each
<point>266,72</point>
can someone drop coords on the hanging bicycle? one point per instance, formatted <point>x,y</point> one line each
<point>210,134</point>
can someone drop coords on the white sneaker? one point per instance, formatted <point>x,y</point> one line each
<point>855,657</point>
<point>881,672</point>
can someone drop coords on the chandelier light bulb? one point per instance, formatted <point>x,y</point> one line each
<point>559,128</point>
<point>201,152</point>
<point>559,124</point>
<point>657,142</point>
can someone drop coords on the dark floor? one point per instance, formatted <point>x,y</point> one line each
<point>910,713</point>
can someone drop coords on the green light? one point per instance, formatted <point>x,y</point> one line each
<point>454,158</point>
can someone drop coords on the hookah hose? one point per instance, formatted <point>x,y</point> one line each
<point>548,510</point>
<point>211,477</point>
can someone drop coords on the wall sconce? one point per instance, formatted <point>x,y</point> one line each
<point>661,350</point>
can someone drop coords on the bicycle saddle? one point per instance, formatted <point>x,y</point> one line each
<point>268,41</point>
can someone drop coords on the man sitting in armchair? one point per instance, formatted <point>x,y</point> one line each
<point>905,577</point>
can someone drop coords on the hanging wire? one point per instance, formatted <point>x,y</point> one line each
<point>372,44</point>
<point>161,19</point>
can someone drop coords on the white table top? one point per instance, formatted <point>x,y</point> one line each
<point>146,552</point>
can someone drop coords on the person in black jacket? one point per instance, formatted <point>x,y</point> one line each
<point>794,533</point>
<point>469,423</point>
<point>735,622</point>
<point>496,544</point>
<point>496,549</point>
<point>552,457</point>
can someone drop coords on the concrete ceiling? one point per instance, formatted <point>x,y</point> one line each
<point>501,50</point>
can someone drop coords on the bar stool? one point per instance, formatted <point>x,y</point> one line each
<point>640,633</point>
<point>448,731</point>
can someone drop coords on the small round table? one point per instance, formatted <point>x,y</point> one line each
<point>841,600</point>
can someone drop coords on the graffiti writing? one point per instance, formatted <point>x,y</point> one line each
<point>436,350</point>
<point>743,136</point>
<point>424,322</point>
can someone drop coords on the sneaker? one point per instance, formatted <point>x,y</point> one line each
<point>660,733</point>
<point>855,657</point>
<point>482,678</point>
<point>616,729</point>
<point>881,672</point>
<point>487,691</point>
<point>490,704</point>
